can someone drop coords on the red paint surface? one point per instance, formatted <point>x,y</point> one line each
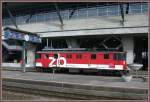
<point>85,59</point>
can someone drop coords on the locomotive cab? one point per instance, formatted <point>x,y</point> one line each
<point>120,58</point>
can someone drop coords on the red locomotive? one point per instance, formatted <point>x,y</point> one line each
<point>81,59</point>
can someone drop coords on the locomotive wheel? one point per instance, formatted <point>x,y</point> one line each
<point>74,71</point>
<point>109,73</point>
<point>117,73</point>
<point>43,70</point>
<point>102,72</point>
<point>47,70</point>
<point>38,69</point>
<point>124,72</point>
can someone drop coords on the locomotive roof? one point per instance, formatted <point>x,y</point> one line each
<point>72,49</point>
<point>80,51</point>
<point>77,50</point>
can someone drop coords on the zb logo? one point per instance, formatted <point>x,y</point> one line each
<point>60,61</point>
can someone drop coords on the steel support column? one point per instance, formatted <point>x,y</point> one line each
<point>27,20</point>
<point>107,39</point>
<point>71,14</point>
<point>11,16</point>
<point>24,57</point>
<point>127,9</point>
<point>122,13</point>
<point>47,42</point>
<point>58,13</point>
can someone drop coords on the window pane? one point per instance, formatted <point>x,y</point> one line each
<point>92,12</point>
<point>55,55</point>
<point>33,19</point>
<point>93,56</point>
<point>47,17</point>
<point>79,56</point>
<point>24,18</point>
<point>64,14</point>
<point>135,8</point>
<point>113,10</point>
<point>144,7</point>
<point>46,56</point>
<point>54,16</point>
<point>21,20</point>
<point>3,22</point>
<point>40,17</point>
<point>82,13</point>
<point>74,14</point>
<point>106,56</point>
<point>119,56</point>
<point>69,56</point>
<point>102,11</point>
<point>8,21</point>
<point>17,20</point>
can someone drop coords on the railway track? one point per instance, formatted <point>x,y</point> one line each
<point>79,85</point>
<point>65,71</point>
<point>82,92</point>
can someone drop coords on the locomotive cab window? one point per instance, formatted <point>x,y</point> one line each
<point>93,56</point>
<point>119,56</point>
<point>106,56</point>
<point>55,55</point>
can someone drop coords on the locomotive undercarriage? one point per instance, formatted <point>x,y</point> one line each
<point>84,71</point>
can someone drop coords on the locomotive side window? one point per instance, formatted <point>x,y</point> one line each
<point>79,56</point>
<point>106,56</point>
<point>69,56</point>
<point>37,55</point>
<point>46,56</point>
<point>55,55</point>
<point>93,56</point>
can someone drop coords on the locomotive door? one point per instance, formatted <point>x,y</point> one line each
<point>82,60</point>
<point>93,61</point>
<point>78,58</point>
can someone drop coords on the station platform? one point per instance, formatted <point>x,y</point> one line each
<point>80,85</point>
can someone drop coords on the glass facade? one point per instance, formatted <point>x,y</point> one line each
<point>84,12</point>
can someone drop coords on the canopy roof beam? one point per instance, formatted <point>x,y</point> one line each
<point>58,13</point>
<point>11,16</point>
<point>122,13</point>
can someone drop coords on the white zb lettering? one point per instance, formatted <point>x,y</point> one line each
<point>58,62</point>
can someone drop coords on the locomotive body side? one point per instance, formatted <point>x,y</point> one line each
<point>82,60</point>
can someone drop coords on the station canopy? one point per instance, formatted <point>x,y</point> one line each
<point>11,33</point>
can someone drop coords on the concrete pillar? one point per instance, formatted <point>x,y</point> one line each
<point>72,43</point>
<point>128,46</point>
<point>30,54</point>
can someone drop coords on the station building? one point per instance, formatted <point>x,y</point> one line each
<point>108,26</point>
